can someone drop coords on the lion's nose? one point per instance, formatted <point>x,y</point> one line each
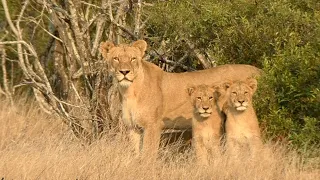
<point>205,108</point>
<point>125,72</point>
<point>241,101</point>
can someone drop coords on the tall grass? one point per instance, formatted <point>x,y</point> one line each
<point>38,146</point>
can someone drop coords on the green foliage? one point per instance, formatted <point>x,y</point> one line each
<point>280,36</point>
<point>288,99</point>
<point>235,31</point>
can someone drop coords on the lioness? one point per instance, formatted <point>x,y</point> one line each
<point>153,99</point>
<point>206,122</point>
<point>241,126</point>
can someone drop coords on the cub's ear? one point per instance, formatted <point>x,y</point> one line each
<point>215,88</point>
<point>223,87</point>
<point>140,44</point>
<point>253,84</point>
<point>227,84</point>
<point>105,48</point>
<point>190,90</point>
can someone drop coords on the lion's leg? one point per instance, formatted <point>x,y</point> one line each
<point>200,148</point>
<point>151,141</point>
<point>232,147</point>
<point>255,146</point>
<point>135,139</point>
<point>214,145</point>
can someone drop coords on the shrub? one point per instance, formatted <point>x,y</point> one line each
<point>280,36</point>
<point>288,101</point>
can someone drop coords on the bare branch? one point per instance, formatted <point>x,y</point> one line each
<point>137,18</point>
<point>74,48</point>
<point>8,17</point>
<point>99,29</point>
<point>25,3</point>
<point>166,60</point>
<point>92,5</point>
<point>205,63</point>
<point>7,88</point>
<point>30,48</point>
<point>179,62</point>
<point>134,37</point>
<point>49,33</point>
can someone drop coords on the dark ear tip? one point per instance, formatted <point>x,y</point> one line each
<point>190,90</point>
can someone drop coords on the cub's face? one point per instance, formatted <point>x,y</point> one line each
<point>239,94</point>
<point>202,99</point>
<point>124,61</point>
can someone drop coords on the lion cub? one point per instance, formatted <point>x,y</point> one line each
<point>241,126</point>
<point>206,122</point>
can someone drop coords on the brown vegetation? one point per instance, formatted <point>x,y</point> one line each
<point>37,146</point>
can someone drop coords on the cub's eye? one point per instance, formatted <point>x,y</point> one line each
<point>210,98</point>
<point>234,93</point>
<point>246,92</point>
<point>199,98</point>
<point>116,59</point>
<point>133,59</point>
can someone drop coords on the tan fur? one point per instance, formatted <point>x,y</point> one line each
<point>153,99</point>
<point>206,122</point>
<point>242,127</point>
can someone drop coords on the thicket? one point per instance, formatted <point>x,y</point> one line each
<point>282,37</point>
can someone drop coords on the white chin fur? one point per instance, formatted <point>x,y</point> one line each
<point>205,115</point>
<point>125,83</point>
<point>241,108</point>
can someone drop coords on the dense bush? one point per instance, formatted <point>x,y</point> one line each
<point>280,36</point>
<point>288,101</point>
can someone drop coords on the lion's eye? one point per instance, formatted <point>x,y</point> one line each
<point>116,59</point>
<point>133,59</point>
<point>234,93</point>
<point>199,98</point>
<point>210,98</point>
<point>246,92</point>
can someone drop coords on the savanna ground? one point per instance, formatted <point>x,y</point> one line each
<point>34,145</point>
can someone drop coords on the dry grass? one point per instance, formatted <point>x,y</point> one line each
<point>37,146</point>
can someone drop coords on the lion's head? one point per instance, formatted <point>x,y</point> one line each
<point>202,98</point>
<point>238,94</point>
<point>124,60</point>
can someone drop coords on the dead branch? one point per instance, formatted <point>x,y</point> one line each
<point>203,60</point>
<point>99,29</point>
<point>8,17</point>
<point>137,24</point>
<point>7,88</point>
<point>179,62</point>
<point>166,60</point>
<point>76,88</point>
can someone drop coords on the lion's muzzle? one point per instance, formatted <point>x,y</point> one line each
<point>204,112</point>
<point>241,105</point>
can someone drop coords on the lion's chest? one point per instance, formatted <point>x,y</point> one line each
<point>130,112</point>
<point>240,127</point>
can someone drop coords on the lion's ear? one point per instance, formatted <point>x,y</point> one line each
<point>140,44</point>
<point>253,84</point>
<point>222,88</point>
<point>227,84</point>
<point>105,48</point>
<point>219,90</point>
<point>215,88</point>
<point>190,90</point>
